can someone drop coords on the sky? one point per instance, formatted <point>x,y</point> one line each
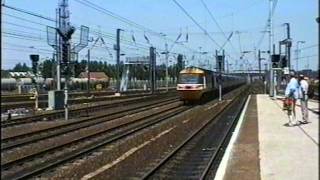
<point>245,20</point>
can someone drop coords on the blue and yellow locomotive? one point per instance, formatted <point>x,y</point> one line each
<point>196,84</point>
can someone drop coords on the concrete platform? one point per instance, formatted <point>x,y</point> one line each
<point>265,148</point>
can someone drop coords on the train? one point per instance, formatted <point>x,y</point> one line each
<point>197,84</point>
<point>12,84</point>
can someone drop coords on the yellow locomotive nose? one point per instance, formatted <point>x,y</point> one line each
<point>190,95</point>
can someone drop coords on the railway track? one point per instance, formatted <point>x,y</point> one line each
<point>15,141</point>
<point>26,97</point>
<point>197,157</point>
<point>78,111</point>
<point>24,101</point>
<point>47,158</point>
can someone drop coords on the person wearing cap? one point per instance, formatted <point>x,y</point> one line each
<point>304,98</point>
<point>292,94</point>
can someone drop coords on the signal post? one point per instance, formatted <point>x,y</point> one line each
<point>220,69</point>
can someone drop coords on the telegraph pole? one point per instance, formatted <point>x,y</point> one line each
<point>220,69</point>
<point>117,48</point>
<point>270,47</point>
<point>35,59</point>
<point>63,23</point>
<point>54,61</point>
<point>297,53</point>
<point>152,69</point>
<point>259,60</point>
<point>227,63</point>
<point>297,56</point>
<point>65,31</point>
<point>58,40</point>
<point>288,46</point>
<point>265,76</point>
<point>88,73</point>
<point>167,64</point>
<point>318,21</point>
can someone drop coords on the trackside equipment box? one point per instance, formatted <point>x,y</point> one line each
<point>55,100</point>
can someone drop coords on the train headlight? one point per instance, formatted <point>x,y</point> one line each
<point>199,87</point>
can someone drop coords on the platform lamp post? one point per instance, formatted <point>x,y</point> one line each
<point>229,68</point>
<point>243,54</point>
<point>117,48</point>
<point>166,52</point>
<point>259,61</point>
<point>318,21</point>
<point>297,54</point>
<point>220,69</point>
<point>167,66</point>
<point>260,70</point>
<point>265,72</point>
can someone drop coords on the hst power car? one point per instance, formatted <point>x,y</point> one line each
<point>195,84</point>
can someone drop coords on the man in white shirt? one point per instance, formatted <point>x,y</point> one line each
<point>304,98</point>
<point>292,95</point>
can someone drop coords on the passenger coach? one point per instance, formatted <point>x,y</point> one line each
<point>195,84</point>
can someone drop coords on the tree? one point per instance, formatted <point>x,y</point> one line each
<point>17,67</point>
<point>5,73</point>
<point>48,68</point>
<point>21,68</point>
<point>79,67</point>
<point>25,68</point>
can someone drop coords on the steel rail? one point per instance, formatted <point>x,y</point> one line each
<point>89,148</point>
<point>43,102</point>
<point>83,123</point>
<point>59,113</point>
<point>151,172</point>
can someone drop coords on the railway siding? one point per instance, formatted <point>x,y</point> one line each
<point>149,154</point>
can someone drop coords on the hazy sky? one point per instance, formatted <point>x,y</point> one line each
<point>24,34</point>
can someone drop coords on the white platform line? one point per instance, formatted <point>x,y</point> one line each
<point>124,156</point>
<point>224,162</point>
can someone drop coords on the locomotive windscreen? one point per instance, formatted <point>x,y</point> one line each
<point>190,79</point>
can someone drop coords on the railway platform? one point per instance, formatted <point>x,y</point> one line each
<point>264,147</point>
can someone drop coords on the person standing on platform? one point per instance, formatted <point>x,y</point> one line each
<point>304,86</point>
<point>292,94</point>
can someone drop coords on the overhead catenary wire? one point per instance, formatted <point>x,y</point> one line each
<point>308,47</point>
<point>145,47</point>
<point>194,21</point>
<point>241,9</point>
<point>125,20</point>
<point>303,57</point>
<point>218,25</point>
<point>23,19</point>
<point>39,38</point>
<point>199,26</point>
<point>40,16</point>
<point>25,50</point>
<point>109,36</point>
<point>28,12</point>
<point>267,24</point>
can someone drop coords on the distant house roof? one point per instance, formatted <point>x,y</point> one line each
<point>94,75</point>
<point>20,74</point>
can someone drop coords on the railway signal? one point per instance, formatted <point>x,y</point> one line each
<point>152,68</point>
<point>65,53</point>
<point>180,64</point>
<point>275,59</point>
<point>283,61</point>
<point>220,69</point>
<point>35,59</point>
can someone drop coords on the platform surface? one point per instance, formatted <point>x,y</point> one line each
<point>278,152</point>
